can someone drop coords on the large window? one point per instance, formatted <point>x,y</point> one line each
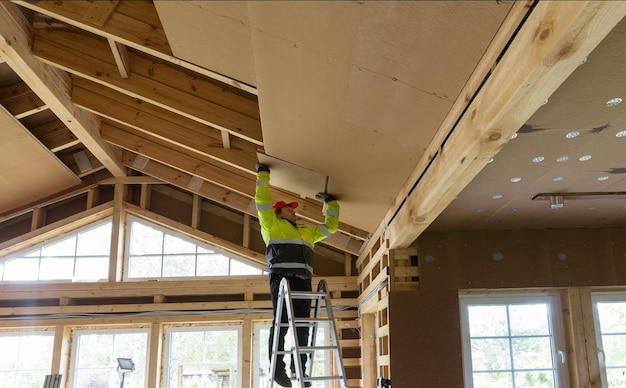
<point>82,255</point>
<point>609,310</point>
<point>512,341</point>
<point>203,356</point>
<point>25,358</point>
<point>155,252</point>
<point>95,354</point>
<point>321,361</point>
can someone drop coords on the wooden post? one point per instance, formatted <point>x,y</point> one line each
<point>368,350</point>
<point>154,359</point>
<point>247,354</point>
<point>61,352</point>
<point>117,234</point>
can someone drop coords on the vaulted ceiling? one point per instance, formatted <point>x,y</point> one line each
<point>400,104</point>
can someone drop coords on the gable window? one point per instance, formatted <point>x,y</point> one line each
<point>25,359</point>
<point>609,312</point>
<point>95,354</point>
<point>512,341</point>
<point>203,356</point>
<point>82,255</point>
<point>156,252</point>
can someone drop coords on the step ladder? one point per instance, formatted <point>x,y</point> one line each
<point>320,302</point>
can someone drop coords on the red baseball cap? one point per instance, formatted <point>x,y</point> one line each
<point>281,204</point>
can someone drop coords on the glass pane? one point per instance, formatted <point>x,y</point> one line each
<point>186,347</point>
<point>94,350</point>
<point>204,250</point>
<point>239,268</point>
<point>10,346</point>
<point>96,241</point>
<point>493,380</point>
<point>487,321</point>
<point>65,247</point>
<point>145,240</point>
<point>92,268</point>
<point>35,352</point>
<point>97,377</point>
<point>529,319</point>
<point>534,379</point>
<point>8,378</point>
<point>144,266</point>
<point>612,317</point>
<point>179,265</point>
<point>57,268</point>
<point>175,244</point>
<point>614,347</point>
<point>490,354</point>
<point>532,353</point>
<point>616,377</point>
<point>212,265</point>
<point>30,378</point>
<point>21,269</point>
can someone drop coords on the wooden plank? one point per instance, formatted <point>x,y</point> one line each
<point>368,349</point>
<point>154,357</point>
<point>160,84</point>
<point>100,12</point>
<point>135,24</point>
<point>576,352</point>
<point>118,224</point>
<point>120,54</point>
<point>55,136</point>
<point>15,48</point>
<point>591,345</point>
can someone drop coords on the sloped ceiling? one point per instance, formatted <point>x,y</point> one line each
<point>364,92</point>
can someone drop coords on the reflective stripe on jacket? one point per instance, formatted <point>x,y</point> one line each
<point>290,248</point>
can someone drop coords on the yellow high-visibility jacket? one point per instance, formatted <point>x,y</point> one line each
<point>289,245</point>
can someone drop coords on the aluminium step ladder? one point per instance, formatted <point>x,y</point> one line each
<point>320,301</point>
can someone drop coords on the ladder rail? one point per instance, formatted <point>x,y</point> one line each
<point>285,298</point>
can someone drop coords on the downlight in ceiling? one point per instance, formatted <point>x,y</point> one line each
<point>613,102</point>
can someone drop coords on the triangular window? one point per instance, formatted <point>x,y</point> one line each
<point>155,252</point>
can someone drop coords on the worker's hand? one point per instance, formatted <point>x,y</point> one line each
<point>325,197</point>
<point>261,167</point>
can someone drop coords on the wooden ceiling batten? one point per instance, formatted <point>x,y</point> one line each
<point>53,90</point>
<point>161,84</point>
<point>135,24</point>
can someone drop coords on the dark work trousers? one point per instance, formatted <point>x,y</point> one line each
<point>301,309</point>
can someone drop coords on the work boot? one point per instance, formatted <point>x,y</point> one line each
<point>306,383</point>
<point>281,378</point>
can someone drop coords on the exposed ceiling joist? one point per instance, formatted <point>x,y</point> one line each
<point>51,88</point>
<point>134,24</point>
<point>161,84</point>
<point>549,46</point>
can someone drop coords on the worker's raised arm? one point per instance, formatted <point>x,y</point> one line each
<point>331,217</point>
<point>262,196</point>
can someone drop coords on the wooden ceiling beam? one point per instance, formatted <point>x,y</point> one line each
<point>309,210</point>
<point>53,90</point>
<point>135,24</point>
<point>149,119</point>
<point>161,84</point>
<point>548,47</point>
<point>55,136</point>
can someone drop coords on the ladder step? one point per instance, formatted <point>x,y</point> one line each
<point>307,295</point>
<point>309,349</point>
<point>323,378</point>
<point>311,320</point>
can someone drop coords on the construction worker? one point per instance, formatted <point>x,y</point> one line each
<point>289,255</point>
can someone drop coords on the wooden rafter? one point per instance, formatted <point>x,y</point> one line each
<point>161,84</point>
<point>134,24</point>
<point>53,91</point>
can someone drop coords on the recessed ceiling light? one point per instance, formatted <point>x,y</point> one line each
<point>614,101</point>
<point>478,210</point>
<point>620,134</point>
<point>573,134</point>
<point>496,196</point>
<point>516,179</point>
<point>583,61</point>
<point>562,159</point>
<point>538,159</point>
<point>558,179</point>
<point>490,160</point>
<point>584,158</point>
<point>545,102</point>
<point>591,208</point>
<point>514,136</point>
<point>603,177</point>
<point>516,209</point>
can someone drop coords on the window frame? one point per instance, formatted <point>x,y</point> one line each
<point>603,297</point>
<point>130,218</point>
<point>555,322</point>
<point>207,326</point>
<point>90,330</point>
<point>39,246</point>
<point>32,331</point>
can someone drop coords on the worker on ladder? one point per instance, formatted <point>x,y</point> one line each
<point>289,255</point>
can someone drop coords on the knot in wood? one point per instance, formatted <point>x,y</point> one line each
<point>495,136</point>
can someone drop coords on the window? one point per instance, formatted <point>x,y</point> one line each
<point>512,341</point>
<point>95,357</point>
<point>25,359</point>
<point>155,252</point>
<point>80,256</point>
<point>203,356</point>
<point>321,361</point>
<point>609,312</point>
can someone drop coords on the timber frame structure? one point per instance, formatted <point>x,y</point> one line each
<point>114,108</point>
